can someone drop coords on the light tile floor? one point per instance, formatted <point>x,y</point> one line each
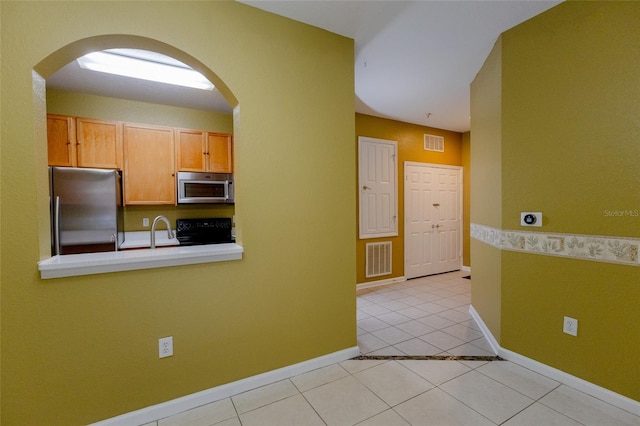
<point>427,316</point>
<point>409,392</point>
<point>423,316</point>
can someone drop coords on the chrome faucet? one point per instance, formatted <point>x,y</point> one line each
<point>153,229</point>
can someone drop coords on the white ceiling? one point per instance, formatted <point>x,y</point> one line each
<point>75,79</point>
<point>412,58</point>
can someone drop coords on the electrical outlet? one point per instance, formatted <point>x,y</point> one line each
<point>570,326</point>
<point>145,221</point>
<point>165,347</point>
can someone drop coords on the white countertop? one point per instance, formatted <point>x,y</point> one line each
<point>141,239</point>
<point>127,260</point>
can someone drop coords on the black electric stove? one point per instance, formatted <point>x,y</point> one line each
<point>215,230</point>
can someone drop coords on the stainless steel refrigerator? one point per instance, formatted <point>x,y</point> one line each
<point>86,210</point>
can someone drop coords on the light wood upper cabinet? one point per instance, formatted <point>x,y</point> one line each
<point>61,140</point>
<point>84,142</point>
<point>148,155</point>
<point>149,165</point>
<point>219,153</point>
<point>190,150</point>
<point>99,143</point>
<point>199,151</point>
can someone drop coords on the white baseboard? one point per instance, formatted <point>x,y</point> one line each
<point>379,283</point>
<point>495,346</point>
<point>395,280</point>
<point>188,402</point>
<point>577,383</point>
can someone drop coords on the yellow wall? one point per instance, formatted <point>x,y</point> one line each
<point>486,186</point>
<point>81,349</point>
<point>133,215</point>
<point>410,138</point>
<point>466,198</point>
<point>105,108</point>
<point>570,131</point>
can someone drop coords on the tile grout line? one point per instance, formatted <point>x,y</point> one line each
<point>309,402</point>
<point>435,386</point>
<point>435,292</point>
<point>442,330</point>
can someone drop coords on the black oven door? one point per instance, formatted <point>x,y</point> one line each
<point>206,190</point>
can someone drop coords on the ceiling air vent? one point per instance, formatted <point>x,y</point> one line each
<point>433,143</point>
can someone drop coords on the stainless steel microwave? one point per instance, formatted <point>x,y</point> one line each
<point>205,188</point>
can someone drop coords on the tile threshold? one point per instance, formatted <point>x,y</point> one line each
<point>429,357</point>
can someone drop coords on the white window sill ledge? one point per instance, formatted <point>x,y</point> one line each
<point>128,260</point>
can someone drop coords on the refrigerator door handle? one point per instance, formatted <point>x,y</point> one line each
<point>56,223</point>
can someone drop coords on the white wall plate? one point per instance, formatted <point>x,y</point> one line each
<point>531,219</point>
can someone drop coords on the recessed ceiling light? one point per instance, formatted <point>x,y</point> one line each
<point>140,66</point>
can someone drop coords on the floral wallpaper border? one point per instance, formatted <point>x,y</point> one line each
<point>588,247</point>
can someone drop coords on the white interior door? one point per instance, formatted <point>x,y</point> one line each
<point>433,219</point>
<point>378,171</point>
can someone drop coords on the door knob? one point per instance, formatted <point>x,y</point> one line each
<point>365,188</point>
<point>436,205</point>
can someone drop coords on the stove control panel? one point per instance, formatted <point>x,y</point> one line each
<point>204,231</point>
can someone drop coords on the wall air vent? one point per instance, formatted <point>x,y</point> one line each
<point>433,143</point>
<point>378,259</point>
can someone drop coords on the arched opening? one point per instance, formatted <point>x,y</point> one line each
<point>58,60</point>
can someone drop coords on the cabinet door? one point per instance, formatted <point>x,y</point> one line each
<point>61,140</point>
<point>190,150</point>
<point>149,165</point>
<point>99,143</point>
<point>220,153</point>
